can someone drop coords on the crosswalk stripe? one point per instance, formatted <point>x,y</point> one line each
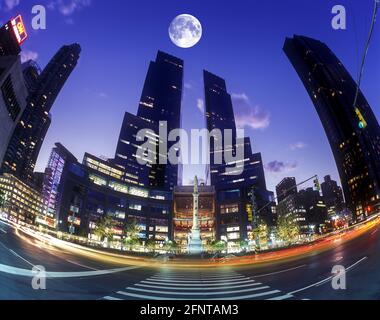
<point>201,288</point>
<point>257,295</point>
<point>198,284</point>
<point>197,281</point>
<point>147,297</point>
<point>284,297</point>
<point>133,295</point>
<point>210,293</point>
<point>111,298</point>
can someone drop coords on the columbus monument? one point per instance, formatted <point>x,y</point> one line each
<point>195,242</point>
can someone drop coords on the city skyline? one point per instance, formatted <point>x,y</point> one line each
<point>299,151</point>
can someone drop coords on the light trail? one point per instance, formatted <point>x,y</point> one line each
<point>324,244</point>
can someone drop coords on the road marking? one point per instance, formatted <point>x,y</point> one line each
<point>198,293</point>
<point>2,230</point>
<point>198,284</point>
<point>257,295</point>
<point>181,290</point>
<point>278,272</point>
<point>81,265</point>
<point>18,256</point>
<point>111,298</point>
<point>196,288</point>
<point>198,281</point>
<point>284,297</point>
<point>202,278</point>
<point>319,283</point>
<point>29,273</point>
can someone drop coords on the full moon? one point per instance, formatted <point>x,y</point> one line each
<point>185,31</point>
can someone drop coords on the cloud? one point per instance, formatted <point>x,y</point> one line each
<point>188,86</point>
<point>103,95</point>
<point>280,166</point>
<point>27,55</point>
<point>201,105</point>
<point>10,4</point>
<point>248,115</point>
<point>68,7</point>
<point>298,145</point>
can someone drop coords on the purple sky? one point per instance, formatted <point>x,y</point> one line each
<point>242,42</point>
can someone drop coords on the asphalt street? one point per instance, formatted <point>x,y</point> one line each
<point>80,277</point>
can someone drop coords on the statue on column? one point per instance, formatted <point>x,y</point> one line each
<point>195,242</point>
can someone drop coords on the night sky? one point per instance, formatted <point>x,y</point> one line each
<point>242,42</point>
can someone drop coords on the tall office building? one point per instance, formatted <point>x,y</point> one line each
<point>220,115</point>
<point>12,35</point>
<point>285,188</point>
<point>353,131</point>
<point>236,189</point>
<point>25,144</point>
<point>13,95</point>
<point>31,71</point>
<point>332,195</point>
<point>160,101</point>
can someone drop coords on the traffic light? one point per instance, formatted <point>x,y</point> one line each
<point>362,123</point>
<point>317,185</point>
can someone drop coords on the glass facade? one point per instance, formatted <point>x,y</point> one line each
<point>29,134</point>
<point>353,131</point>
<point>160,101</point>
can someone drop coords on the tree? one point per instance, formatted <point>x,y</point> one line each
<point>151,245</point>
<point>260,234</point>
<point>2,199</point>
<point>218,246</point>
<point>171,246</point>
<point>287,228</point>
<point>104,228</point>
<point>132,234</point>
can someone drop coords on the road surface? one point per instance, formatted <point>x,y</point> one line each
<point>71,275</point>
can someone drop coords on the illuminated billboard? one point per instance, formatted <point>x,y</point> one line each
<point>19,29</point>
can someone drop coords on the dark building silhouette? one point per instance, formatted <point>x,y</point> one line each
<point>25,144</point>
<point>31,72</point>
<point>316,211</point>
<point>12,34</point>
<point>160,101</point>
<point>236,215</point>
<point>353,131</point>
<point>126,153</point>
<point>332,195</point>
<point>285,188</point>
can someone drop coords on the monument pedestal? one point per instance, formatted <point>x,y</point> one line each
<point>195,242</point>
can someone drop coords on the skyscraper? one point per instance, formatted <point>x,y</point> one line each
<point>12,34</point>
<point>332,195</point>
<point>220,115</point>
<point>160,101</point>
<point>236,215</point>
<point>13,95</point>
<point>353,131</point>
<point>25,144</point>
<point>285,188</point>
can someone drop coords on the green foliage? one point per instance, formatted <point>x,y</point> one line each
<point>171,246</point>
<point>151,245</point>
<point>131,233</point>
<point>218,246</point>
<point>287,228</point>
<point>104,228</point>
<point>2,199</point>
